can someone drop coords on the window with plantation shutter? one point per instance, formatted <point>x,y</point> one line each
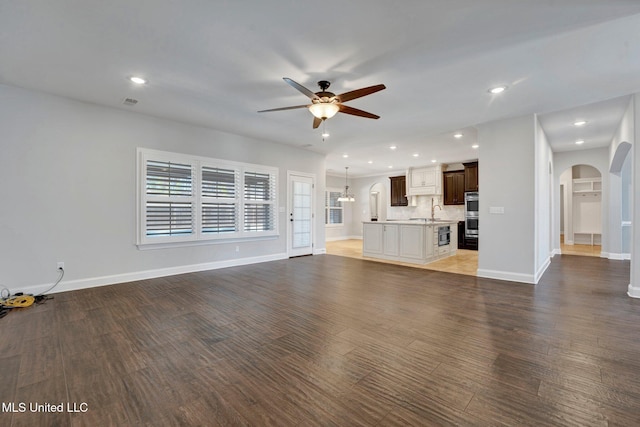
<point>333,208</point>
<point>259,207</point>
<point>219,200</point>
<point>186,198</point>
<point>169,204</point>
<point>169,218</point>
<point>169,179</point>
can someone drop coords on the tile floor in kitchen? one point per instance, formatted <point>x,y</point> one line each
<point>464,262</point>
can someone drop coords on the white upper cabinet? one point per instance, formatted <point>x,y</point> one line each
<point>424,181</point>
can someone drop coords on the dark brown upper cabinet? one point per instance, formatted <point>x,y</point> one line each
<point>471,176</point>
<point>453,187</point>
<point>399,191</point>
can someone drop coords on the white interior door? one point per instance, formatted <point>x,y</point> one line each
<point>300,213</point>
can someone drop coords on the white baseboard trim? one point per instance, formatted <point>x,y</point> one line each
<point>531,279</point>
<point>92,282</point>
<point>542,269</point>
<point>633,291</point>
<point>506,275</point>
<point>616,256</point>
<point>556,252</point>
<point>320,251</point>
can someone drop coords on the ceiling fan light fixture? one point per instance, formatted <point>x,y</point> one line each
<point>324,110</point>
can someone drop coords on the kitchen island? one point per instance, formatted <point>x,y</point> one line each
<point>418,241</point>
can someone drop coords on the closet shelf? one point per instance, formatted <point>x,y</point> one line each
<point>587,185</point>
<point>586,211</point>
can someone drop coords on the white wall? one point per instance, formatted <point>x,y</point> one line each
<point>69,192</point>
<point>507,180</point>
<point>626,208</point>
<point>566,207</point>
<point>620,168</point>
<point>634,285</point>
<point>625,131</point>
<point>544,204</point>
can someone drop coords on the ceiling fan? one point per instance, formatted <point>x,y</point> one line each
<point>325,105</point>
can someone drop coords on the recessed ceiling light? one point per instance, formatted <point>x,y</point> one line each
<point>345,155</point>
<point>390,167</point>
<point>393,147</point>
<point>416,155</point>
<point>457,135</point>
<point>580,141</point>
<point>370,162</point>
<point>138,80</point>
<point>580,123</point>
<point>498,89</point>
<point>433,161</point>
<point>475,146</point>
<point>325,135</point>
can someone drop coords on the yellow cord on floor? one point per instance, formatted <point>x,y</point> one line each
<point>21,301</point>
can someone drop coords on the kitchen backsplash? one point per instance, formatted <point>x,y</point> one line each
<point>423,210</point>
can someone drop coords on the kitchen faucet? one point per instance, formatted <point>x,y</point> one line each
<point>433,209</point>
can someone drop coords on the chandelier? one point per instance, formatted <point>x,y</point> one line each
<point>346,196</point>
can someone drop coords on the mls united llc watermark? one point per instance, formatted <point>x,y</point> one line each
<point>21,407</point>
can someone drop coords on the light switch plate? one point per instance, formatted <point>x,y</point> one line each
<point>496,210</point>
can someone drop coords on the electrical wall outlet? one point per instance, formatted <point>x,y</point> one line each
<point>60,265</point>
<point>237,248</point>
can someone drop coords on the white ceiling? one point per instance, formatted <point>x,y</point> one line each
<point>216,63</point>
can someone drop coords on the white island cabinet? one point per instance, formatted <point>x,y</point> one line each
<point>408,241</point>
<point>380,239</point>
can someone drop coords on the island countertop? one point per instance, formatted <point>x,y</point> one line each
<point>420,221</point>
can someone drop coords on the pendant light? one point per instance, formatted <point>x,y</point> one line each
<point>346,196</point>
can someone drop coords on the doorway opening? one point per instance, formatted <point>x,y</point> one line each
<point>581,211</point>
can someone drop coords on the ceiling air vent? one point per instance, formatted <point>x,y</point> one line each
<point>129,101</point>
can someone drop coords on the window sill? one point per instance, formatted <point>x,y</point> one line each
<point>188,243</point>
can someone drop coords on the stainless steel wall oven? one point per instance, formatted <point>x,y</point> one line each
<point>471,214</point>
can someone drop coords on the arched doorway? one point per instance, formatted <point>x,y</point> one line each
<point>621,167</point>
<point>377,197</point>
<point>581,209</point>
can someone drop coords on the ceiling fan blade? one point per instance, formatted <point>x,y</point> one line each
<point>316,122</point>
<point>348,96</point>
<point>284,108</point>
<point>301,88</point>
<point>355,112</point>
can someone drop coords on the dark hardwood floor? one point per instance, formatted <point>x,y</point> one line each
<point>332,341</point>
